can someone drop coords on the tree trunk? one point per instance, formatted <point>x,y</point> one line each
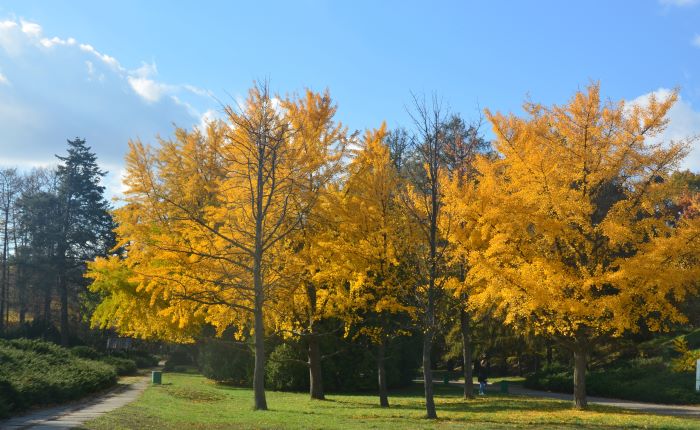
<point>315,375</point>
<point>4,305</point>
<point>63,290</point>
<point>314,349</point>
<point>580,362</point>
<point>428,375</point>
<point>47,302</point>
<point>381,374</point>
<point>549,353</point>
<point>22,305</point>
<point>259,371</point>
<point>467,354</point>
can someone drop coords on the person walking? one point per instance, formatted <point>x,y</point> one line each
<point>482,375</point>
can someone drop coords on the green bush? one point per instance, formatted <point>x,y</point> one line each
<point>37,372</point>
<point>86,352</point>
<point>285,369</point>
<point>226,362</point>
<point>143,359</point>
<point>642,379</point>
<point>8,398</point>
<point>123,366</point>
<point>347,367</point>
<point>693,339</point>
<point>182,355</point>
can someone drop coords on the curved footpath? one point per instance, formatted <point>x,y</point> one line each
<point>75,414</point>
<point>650,408</point>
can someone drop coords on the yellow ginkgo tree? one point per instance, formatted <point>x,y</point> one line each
<point>304,298</point>
<point>573,233</point>
<point>206,219</point>
<point>367,249</point>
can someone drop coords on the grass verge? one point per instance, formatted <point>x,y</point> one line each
<point>193,402</point>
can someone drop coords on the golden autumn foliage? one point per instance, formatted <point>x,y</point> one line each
<point>370,238</point>
<point>207,214</point>
<point>366,248</point>
<point>570,229</point>
<point>306,297</point>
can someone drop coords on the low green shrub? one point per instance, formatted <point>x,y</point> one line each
<point>225,361</point>
<point>86,352</point>
<point>36,372</point>
<point>346,367</point>
<point>693,339</point>
<point>143,359</point>
<point>285,369</point>
<point>182,355</point>
<point>123,366</point>
<point>8,398</point>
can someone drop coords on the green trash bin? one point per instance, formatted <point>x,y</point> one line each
<point>446,379</point>
<point>156,377</point>
<point>504,387</point>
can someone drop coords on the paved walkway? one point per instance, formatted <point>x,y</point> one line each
<point>649,408</point>
<point>75,414</point>
<point>652,408</point>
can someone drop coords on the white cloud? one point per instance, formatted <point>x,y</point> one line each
<point>111,61</point>
<point>56,88</point>
<point>48,43</point>
<point>208,116</point>
<point>31,28</point>
<point>679,3</point>
<point>10,38</point>
<point>150,90</point>
<point>684,122</point>
<point>696,40</point>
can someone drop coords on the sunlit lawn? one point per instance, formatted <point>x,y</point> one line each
<point>189,401</point>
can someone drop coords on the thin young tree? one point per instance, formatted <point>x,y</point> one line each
<point>422,200</point>
<point>9,192</point>
<point>463,143</point>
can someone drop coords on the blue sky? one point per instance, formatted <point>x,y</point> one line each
<point>116,70</point>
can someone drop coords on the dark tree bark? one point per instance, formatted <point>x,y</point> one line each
<point>314,350</point>
<point>580,364</point>
<point>315,374</point>
<point>63,291</point>
<point>259,369</point>
<point>428,376</point>
<point>4,280</point>
<point>381,374</point>
<point>467,354</point>
<point>47,302</point>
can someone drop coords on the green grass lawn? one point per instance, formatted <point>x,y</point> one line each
<point>189,402</point>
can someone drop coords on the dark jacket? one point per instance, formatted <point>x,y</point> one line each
<point>481,372</point>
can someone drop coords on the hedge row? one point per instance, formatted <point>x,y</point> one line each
<point>125,363</point>
<point>34,372</point>
<point>352,368</point>
<point>642,379</point>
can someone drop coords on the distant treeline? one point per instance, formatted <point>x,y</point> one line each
<point>53,220</point>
